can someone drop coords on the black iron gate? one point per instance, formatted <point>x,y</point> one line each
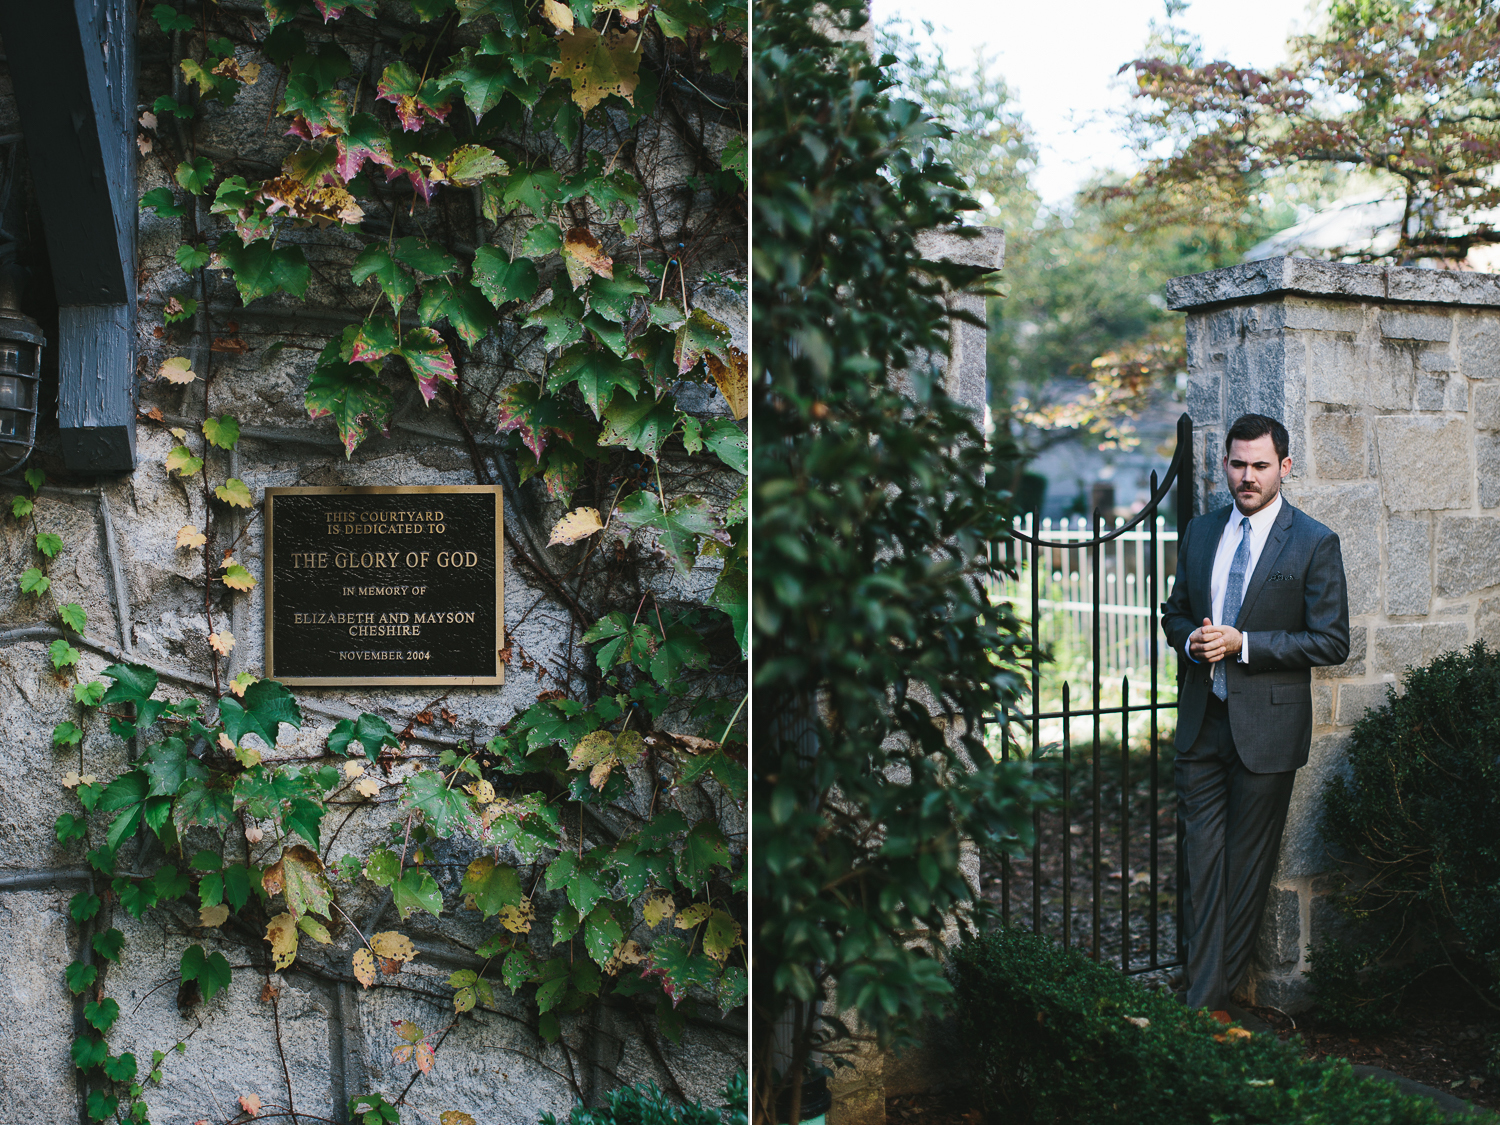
<point>1076,842</point>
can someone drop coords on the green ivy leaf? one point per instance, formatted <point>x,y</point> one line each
<point>396,283</point>
<point>598,374</point>
<point>223,432</point>
<point>211,971</point>
<point>735,157</point>
<point>731,594</point>
<point>534,189</point>
<point>200,804</point>
<point>33,581</point>
<point>74,618</point>
<point>501,279</point>
<point>181,460</point>
<point>67,734</point>
<point>728,442</point>
<point>88,1052</point>
<point>383,867</point>
<point>62,654</point>
<point>169,765</point>
<point>417,890</point>
<point>192,257</point>
<point>21,507</point>
<point>445,808</point>
<point>493,885</point>
<point>677,526</point>
<point>601,934</point>
<point>81,976</point>
<point>260,269</point>
<point>704,849</point>
<point>109,944</point>
<point>195,176</point>
<point>541,240</point>
<point>461,304</point>
<point>84,906</point>
<point>101,1014</point>
<point>368,735</point>
<point>682,649</point>
<point>423,257</point>
<point>615,297</point>
<point>48,543</point>
<point>69,828</point>
<point>642,424</point>
<point>167,104</point>
<point>267,704</point>
<point>121,1068</point>
<point>169,19</point>
<point>626,641</point>
<point>349,393</point>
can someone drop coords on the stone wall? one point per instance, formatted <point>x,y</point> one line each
<point>145,603</point>
<point>1388,381</point>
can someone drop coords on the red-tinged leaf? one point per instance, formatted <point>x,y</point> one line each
<point>536,419</point>
<point>419,181</point>
<point>369,342</point>
<point>424,1057</point>
<point>583,255</point>
<point>366,140</point>
<point>429,360</point>
<point>333,9</point>
<point>351,393</point>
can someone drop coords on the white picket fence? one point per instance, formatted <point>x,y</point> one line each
<point>1065,622</point>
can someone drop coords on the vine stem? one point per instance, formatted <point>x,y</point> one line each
<point>725,736</point>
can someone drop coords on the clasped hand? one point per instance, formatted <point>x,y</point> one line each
<point>1214,642</point>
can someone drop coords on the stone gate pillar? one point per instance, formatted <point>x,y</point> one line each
<point>1388,382</point>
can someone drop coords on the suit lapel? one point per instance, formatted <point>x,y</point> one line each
<point>1203,565</point>
<point>1280,533</point>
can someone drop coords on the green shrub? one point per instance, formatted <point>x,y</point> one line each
<point>646,1105</point>
<point>1052,1041</point>
<point>1417,825</point>
<point>1355,990</point>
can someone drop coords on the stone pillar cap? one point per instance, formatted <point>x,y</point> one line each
<point>1308,277</point>
<point>984,247</point>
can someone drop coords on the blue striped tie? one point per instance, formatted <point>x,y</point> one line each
<point>1234,594</point>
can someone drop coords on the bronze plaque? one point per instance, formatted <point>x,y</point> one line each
<point>384,585</point>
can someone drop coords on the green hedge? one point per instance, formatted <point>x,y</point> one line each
<point>646,1105</point>
<point>1051,1041</point>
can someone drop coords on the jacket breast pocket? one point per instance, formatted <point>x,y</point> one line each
<point>1291,693</point>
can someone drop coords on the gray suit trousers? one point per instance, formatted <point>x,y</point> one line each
<point>1232,820</point>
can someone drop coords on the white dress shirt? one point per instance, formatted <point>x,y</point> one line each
<point>1260,530</point>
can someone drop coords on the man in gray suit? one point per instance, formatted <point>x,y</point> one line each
<point>1258,601</point>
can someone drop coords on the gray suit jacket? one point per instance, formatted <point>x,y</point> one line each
<point>1295,615</point>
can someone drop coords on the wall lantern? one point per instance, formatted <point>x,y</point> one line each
<point>21,344</point>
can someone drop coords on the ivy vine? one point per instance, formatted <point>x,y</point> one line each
<point>605,820</point>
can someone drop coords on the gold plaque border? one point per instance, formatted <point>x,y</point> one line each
<point>384,681</point>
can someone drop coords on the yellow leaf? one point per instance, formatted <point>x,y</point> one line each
<point>424,1057</point>
<point>600,773</point>
<point>241,682</point>
<point>721,935</point>
<point>657,909</point>
<point>733,379</point>
<point>236,577</point>
<point>393,946</point>
<point>178,369</point>
<point>222,642</point>
<point>180,459</point>
<point>249,758</point>
<point>281,932</point>
<point>453,1116</point>
<point>583,255</point>
<point>225,742</point>
<point>558,15</point>
<point>482,791</point>
<point>367,787</point>
<point>213,915</point>
<point>253,833</point>
<point>178,432</point>
<point>578,524</point>
<point>235,493</point>
<point>694,915</point>
<point>629,746</point>
<point>353,769</point>
<point>321,204</point>
<point>250,1103</point>
<point>190,536</point>
<point>1237,1033</point>
<point>598,66</point>
<point>364,967</point>
<point>518,919</point>
<point>591,749</point>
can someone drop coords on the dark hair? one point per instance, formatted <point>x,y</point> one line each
<point>1248,427</point>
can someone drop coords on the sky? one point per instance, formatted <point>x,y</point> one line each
<point>1060,58</point>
